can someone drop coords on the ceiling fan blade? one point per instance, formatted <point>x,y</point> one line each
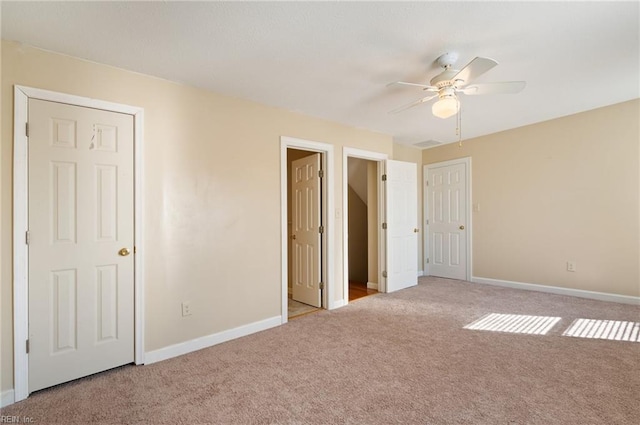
<point>474,69</point>
<point>424,86</point>
<point>412,104</point>
<point>505,87</point>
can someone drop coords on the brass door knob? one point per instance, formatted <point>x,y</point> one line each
<point>415,230</point>
<point>462,227</point>
<point>293,237</point>
<point>124,252</point>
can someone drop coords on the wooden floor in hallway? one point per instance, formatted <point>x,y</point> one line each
<point>359,290</point>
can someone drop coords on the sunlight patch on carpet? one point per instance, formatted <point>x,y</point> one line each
<point>514,323</point>
<point>614,330</point>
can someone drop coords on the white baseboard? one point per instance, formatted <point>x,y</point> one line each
<point>7,398</point>
<point>600,296</point>
<point>372,285</point>
<point>421,273</point>
<point>210,340</point>
<point>336,304</point>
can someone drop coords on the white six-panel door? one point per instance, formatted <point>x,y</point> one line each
<point>306,244</point>
<point>81,268</point>
<point>401,216</point>
<point>448,225</point>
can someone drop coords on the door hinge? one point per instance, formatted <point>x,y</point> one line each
<point>27,237</point>
<point>427,221</point>
<point>27,347</point>
<point>384,226</point>
<point>321,173</point>
<point>321,285</point>
<point>321,229</point>
<point>427,182</point>
<point>384,273</point>
<point>26,129</point>
<point>384,177</point>
<point>427,261</point>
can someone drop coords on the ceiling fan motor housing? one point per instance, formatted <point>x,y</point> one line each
<point>447,93</point>
<point>444,78</point>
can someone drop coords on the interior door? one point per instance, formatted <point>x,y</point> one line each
<point>401,208</point>
<point>306,232</point>
<point>81,269</point>
<point>447,215</point>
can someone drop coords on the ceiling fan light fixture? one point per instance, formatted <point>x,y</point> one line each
<point>445,107</point>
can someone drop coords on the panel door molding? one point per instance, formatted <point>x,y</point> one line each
<point>61,201</point>
<point>447,245</point>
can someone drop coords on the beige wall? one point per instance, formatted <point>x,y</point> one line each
<point>558,191</point>
<point>410,154</point>
<point>212,194</point>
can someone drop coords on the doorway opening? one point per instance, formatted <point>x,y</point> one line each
<point>364,254</point>
<point>397,225</point>
<point>306,184</point>
<point>362,227</point>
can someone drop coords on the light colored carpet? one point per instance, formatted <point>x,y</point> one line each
<point>401,358</point>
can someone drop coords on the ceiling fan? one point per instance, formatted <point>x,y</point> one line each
<point>450,82</point>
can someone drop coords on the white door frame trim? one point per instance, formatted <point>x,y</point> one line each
<point>371,156</point>
<point>425,176</point>
<point>22,95</point>
<point>328,195</point>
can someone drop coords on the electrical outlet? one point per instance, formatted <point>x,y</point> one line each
<point>186,308</point>
<point>571,266</point>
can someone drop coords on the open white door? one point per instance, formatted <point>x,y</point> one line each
<point>401,212</point>
<point>306,230</point>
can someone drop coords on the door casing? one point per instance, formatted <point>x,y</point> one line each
<point>22,95</point>
<point>426,254</point>
<point>327,201</point>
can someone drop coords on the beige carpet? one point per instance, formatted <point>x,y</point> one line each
<point>401,358</point>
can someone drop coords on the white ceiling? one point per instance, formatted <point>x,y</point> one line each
<point>334,59</point>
